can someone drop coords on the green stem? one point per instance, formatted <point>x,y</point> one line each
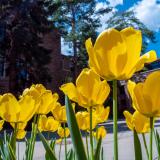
<point>87,145</point>
<point>48,135</point>
<point>13,140</point>
<point>18,150</point>
<point>145,145</point>
<point>115,128</point>
<point>33,136</point>
<point>60,149</point>
<point>65,141</point>
<point>157,144</point>
<point>151,139</point>
<point>91,138</point>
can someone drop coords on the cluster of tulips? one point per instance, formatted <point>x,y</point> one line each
<point>114,56</point>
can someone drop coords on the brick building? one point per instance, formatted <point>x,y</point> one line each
<point>59,66</point>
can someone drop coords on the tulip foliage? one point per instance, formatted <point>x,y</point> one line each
<point>114,56</point>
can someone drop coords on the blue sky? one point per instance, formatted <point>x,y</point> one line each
<point>148,11</point>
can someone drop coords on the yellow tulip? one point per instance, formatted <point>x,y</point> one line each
<point>145,96</point>
<point>48,124</point>
<point>15,111</point>
<point>20,134</point>
<point>61,132</point>
<point>1,124</point>
<point>102,113</point>
<point>20,126</point>
<point>59,141</point>
<point>89,91</point>
<point>59,112</point>
<point>100,132</point>
<point>45,100</point>
<point>137,122</point>
<point>83,120</point>
<point>116,54</point>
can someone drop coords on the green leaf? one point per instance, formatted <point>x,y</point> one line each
<point>98,149</point>
<point>47,147</point>
<point>11,152</point>
<point>102,156</point>
<point>70,155</point>
<point>157,139</point>
<point>75,132</point>
<point>6,150</point>
<point>52,145</point>
<point>137,147</point>
<point>13,139</point>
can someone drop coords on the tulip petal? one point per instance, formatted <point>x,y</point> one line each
<point>101,132</point>
<point>61,132</point>
<point>39,87</point>
<point>129,119</point>
<point>85,80</point>
<point>133,40</point>
<point>141,122</point>
<point>108,47</point>
<point>146,58</point>
<point>52,124</point>
<point>59,113</point>
<point>9,108</point>
<point>28,108</point>
<point>142,105</point>
<point>21,134</point>
<point>130,86</point>
<point>101,92</point>
<point>151,91</point>
<point>69,89</point>
<point>92,59</point>
<point>45,101</point>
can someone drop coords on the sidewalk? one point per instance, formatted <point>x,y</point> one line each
<point>125,143</point>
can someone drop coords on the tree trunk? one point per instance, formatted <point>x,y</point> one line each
<point>74,44</point>
<point>12,70</point>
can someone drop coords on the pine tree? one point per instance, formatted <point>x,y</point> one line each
<point>23,24</point>
<point>128,18</point>
<point>77,20</point>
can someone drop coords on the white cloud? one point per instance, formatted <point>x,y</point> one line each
<point>114,3</point>
<point>148,11</point>
<point>103,18</point>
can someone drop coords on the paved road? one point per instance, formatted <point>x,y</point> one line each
<point>126,147</point>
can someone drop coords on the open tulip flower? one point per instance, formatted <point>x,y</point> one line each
<point>59,112</point>
<point>89,91</point>
<point>102,113</point>
<point>34,90</point>
<point>83,120</point>
<point>63,132</point>
<point>45,100</point>
<point>48,124</point>
<point>137,122</point>
<point>145,96</point>
<point>13,110</point>
<point>1,124</point>
<point>116,54</point>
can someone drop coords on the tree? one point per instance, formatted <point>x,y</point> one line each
<point>23,24</point>
<point>77,21</point>
<point>128,18</point>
